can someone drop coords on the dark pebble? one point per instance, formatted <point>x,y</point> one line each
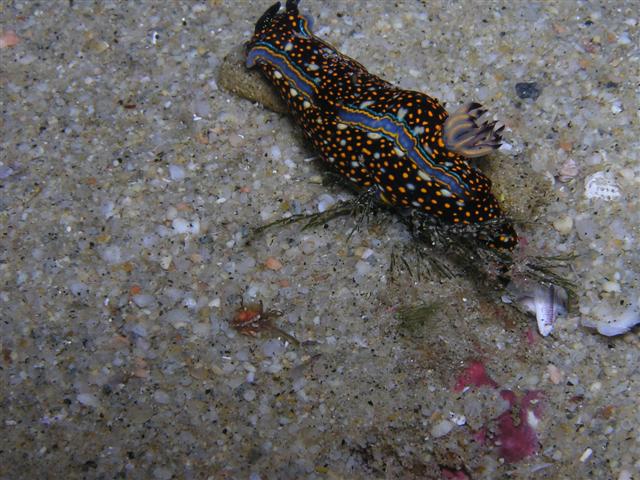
<point>528,90</point>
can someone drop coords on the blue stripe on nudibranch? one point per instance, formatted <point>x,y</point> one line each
<point>401,142</point>
<point>398,131</point>
<point>265,52</point>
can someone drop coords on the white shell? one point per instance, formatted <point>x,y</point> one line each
<point>602,185</point>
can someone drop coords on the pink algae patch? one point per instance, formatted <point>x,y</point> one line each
<point>454,474</point>
<point>475,375</point>
<point>517,439</point>
<point>515,432</point>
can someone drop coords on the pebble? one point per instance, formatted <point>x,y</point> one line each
<point>528,90</point>
<point>249,395</point>
<point>564,224</point>
<point>9,39</point>
<point>273,263</point>
<point>178,317</point>
<point>176,172</point>
<point>162,473</point>
<point>112,254</point>
<point>161,397</point>
<point>182,226</point>
<point>88,400</point>
<point>143,300</point>
<point>586,454</point>
<point>555,374</point>
<point>441,428</point>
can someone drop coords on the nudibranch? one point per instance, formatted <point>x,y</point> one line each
<point>402,144</point>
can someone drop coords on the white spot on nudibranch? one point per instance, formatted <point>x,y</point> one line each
<point>366,103</point>
<point>288,47</point>
<point>293,92</point>
<point>401,113</point>
<point>277,74</point>
<point>424,176</point>
<point>312,67</point>
<point>374,135</point>
<point>445,192</point>
<point>410,186</point>
<point>342,126</point>
<point>398,152</point>
<point>306,104</point>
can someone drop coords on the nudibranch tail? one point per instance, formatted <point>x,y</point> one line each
<point>464,135</point>
<point>401,143</point>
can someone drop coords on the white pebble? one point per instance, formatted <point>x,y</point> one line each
<point>585,456</point>
<point>181,225</point>
<point>249,395</point>
<point>564,224</point>
<point>457,418</point>
<point>143,300</point>
<point>78,288</point>
<point>161,396</point>
<point>366,253</point>
<point>362,268</point>
<point>112,254</point>
<point>624,39</point>
<point>88,400</point>
<point>325,201</point>
<point>107,209</point>
<point>441,428</point>
<point>616,107</point>
<point>176,172</point>
<point>611,287</point>
<point>177,317</point>
<point>165,262</point>
<point>272,347</point>
<point>625,475</point>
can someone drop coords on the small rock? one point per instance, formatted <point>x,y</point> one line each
<point>564,224</point>
<point>165,262</point>
<point>161,396</point>
<point>176,172</point>
<point>88,400</point>
<point>143,300</point>
<point>273,263</point>
<point>555,374</point>
<point>611,287</point>
<point>9,39</point>
<point>528,90</point>
<point>441,428</point>
<point>249,395</point>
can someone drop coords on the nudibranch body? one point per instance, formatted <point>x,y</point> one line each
<point>402,143</point>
